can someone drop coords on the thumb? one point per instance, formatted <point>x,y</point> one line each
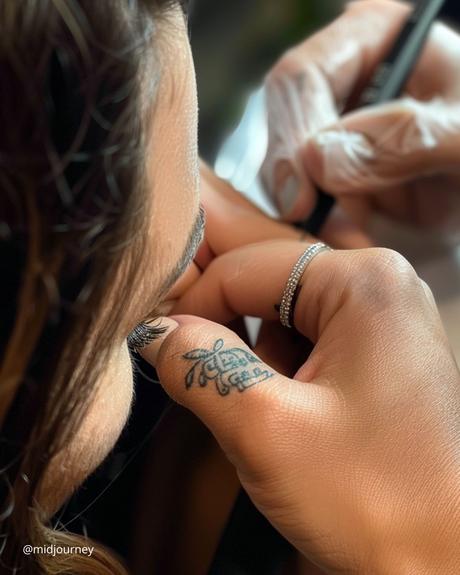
<point>379,147</point>
<point>208,369</point>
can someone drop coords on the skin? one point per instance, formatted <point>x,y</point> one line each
<point>176,192</point>
<point>226,209</point>
<point>297,442</point>
<point>352,452</point>
<point>173,173</point>
<point>173,170</point>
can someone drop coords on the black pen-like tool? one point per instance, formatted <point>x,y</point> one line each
<point>387,83</point>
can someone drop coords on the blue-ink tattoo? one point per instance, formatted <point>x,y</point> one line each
<point>227,368</point>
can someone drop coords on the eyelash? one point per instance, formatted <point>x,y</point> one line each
<point>143,334</point>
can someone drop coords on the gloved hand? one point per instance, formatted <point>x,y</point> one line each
<point>404,154</point>
<point>356,459</point>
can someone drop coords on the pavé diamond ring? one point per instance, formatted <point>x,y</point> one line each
<point>293,283</point>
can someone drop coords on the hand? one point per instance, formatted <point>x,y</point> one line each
<point>232,221</point>
<point>357,459</point>
<point>401,157</point>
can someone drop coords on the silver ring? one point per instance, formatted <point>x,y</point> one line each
<point>292,285</point>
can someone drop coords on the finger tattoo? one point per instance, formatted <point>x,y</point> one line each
<point>226,367</point>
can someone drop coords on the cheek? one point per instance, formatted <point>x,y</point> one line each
<point>97,435</point>
<point>112,405</point>
<point>172,154</point>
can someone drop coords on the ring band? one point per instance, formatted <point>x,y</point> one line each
<point>292,286</point>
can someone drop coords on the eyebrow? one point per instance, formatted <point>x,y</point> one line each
<point>194,240</point>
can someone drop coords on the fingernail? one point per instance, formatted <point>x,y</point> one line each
<point>288,195</point>
<point>150,352</point>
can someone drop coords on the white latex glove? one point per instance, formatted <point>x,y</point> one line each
<point>403,153</point>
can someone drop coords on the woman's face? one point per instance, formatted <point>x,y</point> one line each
<point>175,227</point>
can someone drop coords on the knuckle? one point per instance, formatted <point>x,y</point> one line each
<point>409,128</point>
<point>410,113</point>
<point>384,275</point>
<point>391,261</point>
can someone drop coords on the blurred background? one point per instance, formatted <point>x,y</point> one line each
<point>235,42</point>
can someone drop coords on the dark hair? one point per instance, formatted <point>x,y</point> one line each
<point>72,198</point>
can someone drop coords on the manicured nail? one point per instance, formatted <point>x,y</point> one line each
<point>288,195</point>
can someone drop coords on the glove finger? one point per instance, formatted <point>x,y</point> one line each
<point>377,149</point>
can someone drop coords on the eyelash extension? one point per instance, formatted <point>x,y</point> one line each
<point>143,334</point>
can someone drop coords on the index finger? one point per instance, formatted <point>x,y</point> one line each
<point>250,282</point>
